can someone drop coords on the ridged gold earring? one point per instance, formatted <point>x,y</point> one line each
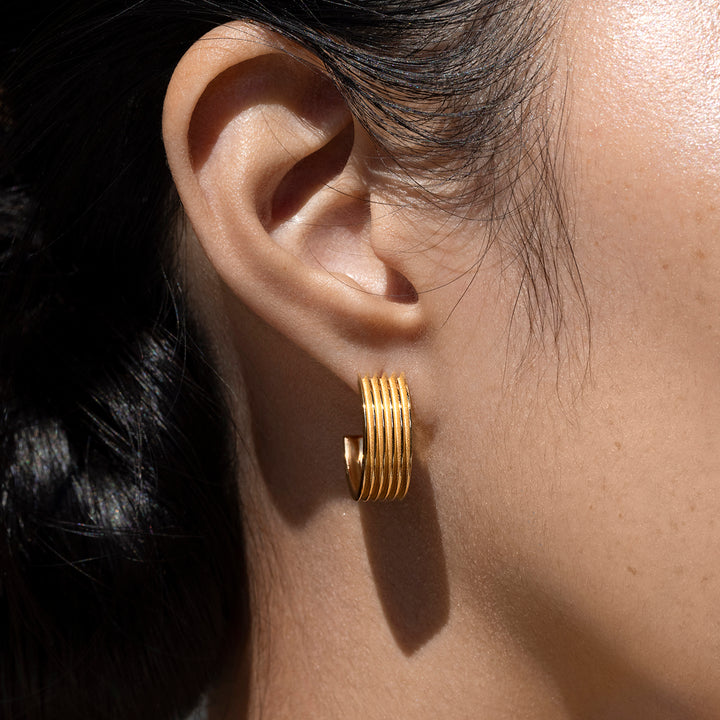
<point>378,464</point>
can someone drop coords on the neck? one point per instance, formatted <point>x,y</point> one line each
<point>365,611</point>
<point>355,616</point>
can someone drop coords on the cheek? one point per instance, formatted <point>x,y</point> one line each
<point>644,176</point>
<point>615,495</point>
<point>643,137</point>
<point>644,130</point>
<point>648,79</point>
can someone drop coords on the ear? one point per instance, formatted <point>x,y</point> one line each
<point>274,176</point>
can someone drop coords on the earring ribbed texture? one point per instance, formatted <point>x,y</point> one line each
<point>378,464</point>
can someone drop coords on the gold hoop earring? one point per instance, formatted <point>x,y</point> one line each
<point>378,464</point>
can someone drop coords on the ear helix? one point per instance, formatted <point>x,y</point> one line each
<point>378,464</point>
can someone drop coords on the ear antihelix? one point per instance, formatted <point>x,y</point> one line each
<point>311,174</point>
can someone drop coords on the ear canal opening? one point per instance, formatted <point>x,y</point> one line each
<point>399,288</point>
<point>311,174</point>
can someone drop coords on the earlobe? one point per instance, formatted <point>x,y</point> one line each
<point>272,172</point>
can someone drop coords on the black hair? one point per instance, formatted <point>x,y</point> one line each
<point>121,552</point>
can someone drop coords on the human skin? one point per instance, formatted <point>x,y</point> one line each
<point>603,490</point>
<point>557,554</point>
